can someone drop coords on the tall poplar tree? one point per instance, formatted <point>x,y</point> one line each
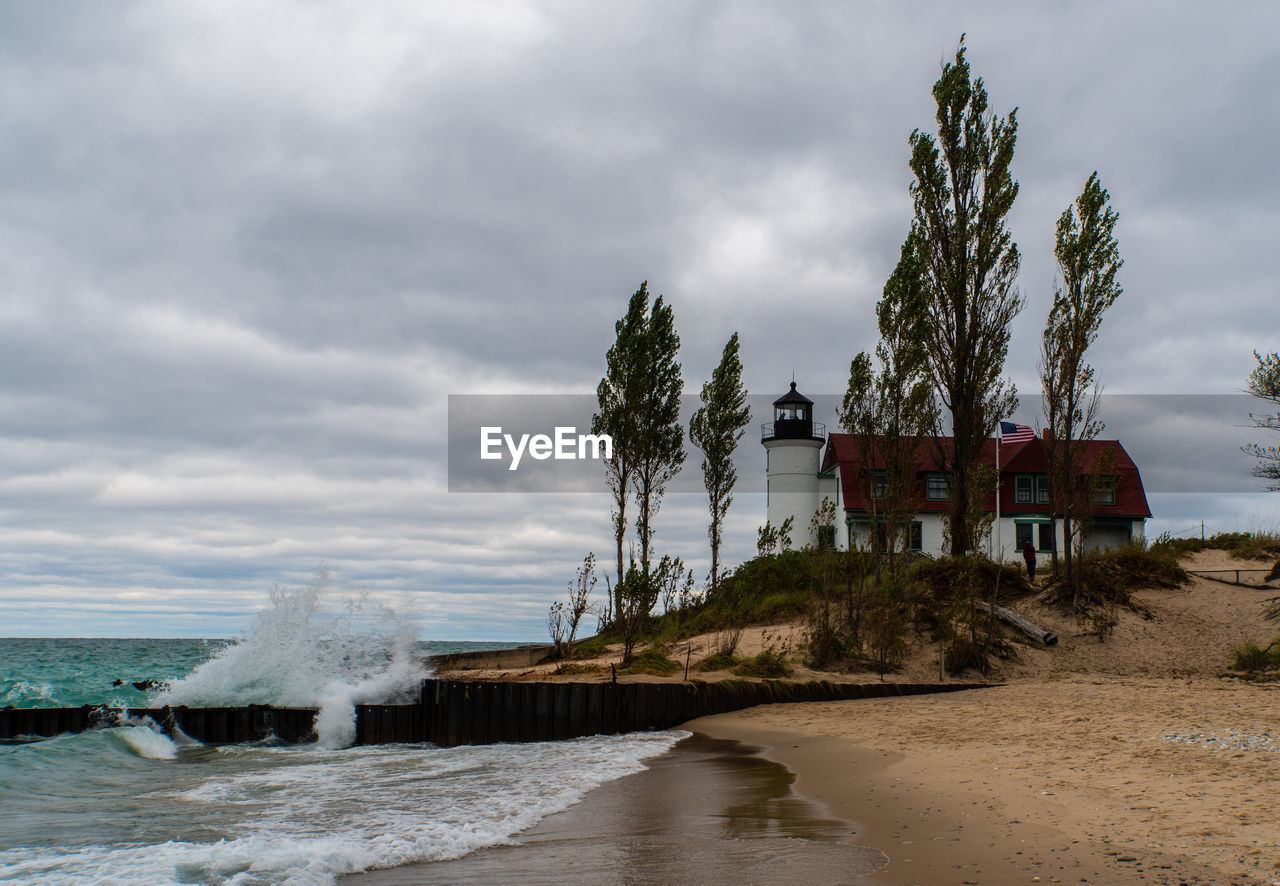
<point>909,410</point>
<point>715,428</point>
<point>891,411</point>
<point>969,263</point>
<point>659,435</point>
<point>619,396</point>
<point>1088,261</point>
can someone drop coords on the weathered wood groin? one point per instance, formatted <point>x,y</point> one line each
<point>456,712</point>
<point>224,725</point>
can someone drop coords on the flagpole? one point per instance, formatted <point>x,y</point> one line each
<point>998,543</point>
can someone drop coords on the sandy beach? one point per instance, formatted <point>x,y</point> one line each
<point>1141,781</point>
<point>1134,759</point>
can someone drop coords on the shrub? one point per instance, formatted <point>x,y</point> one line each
<point>823,645</point>
<point>767,589</point>
<point>727,639</point>
<point>1112,576</point>
<point>717,661</point>
<point>651,661</point>
<point>1248,545</point>
<point>965,653</point>
<point>885,629</point>
<point>1102,622</point>
<point>766,664</point>
<point>942,576</point>
<point>591,647</point>
<point>1249,656</point>
<point>1180,547</point>
<point>572,668</point>
<point>1257,545</point>
<point>771,662</point>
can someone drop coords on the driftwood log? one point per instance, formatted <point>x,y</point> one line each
<point>1013,619</point>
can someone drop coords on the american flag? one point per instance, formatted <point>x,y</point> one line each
<point>1011,433</point>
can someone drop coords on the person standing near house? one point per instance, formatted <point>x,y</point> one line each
<point>1029,554</point>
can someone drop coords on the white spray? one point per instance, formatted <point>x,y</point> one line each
<point>294,655</point>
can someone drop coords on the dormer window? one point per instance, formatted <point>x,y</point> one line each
<point>879,484</point>
<point>938,487</point>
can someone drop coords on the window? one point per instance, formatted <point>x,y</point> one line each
<point>826,537</point>
<point>938,488</point>
<point>879,484</point>
<point>1022,489</point>
<point>1046,537</point>
<point>912,534</point>
<point>1105,492</point>
<point>916,535</point>
<point>1022,534</point>
<point>879,537</point>
<point>1042,489</point>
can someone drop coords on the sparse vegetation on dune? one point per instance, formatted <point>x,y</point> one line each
<point>1252,658</point>
<point>575,669</point>
<point>772,661</point>
<point>1109,578</point>
<point>940,577</point>
<point>717,661</point>
<point>1258,544</point>
<point>844,617</point>
<point>652,661</point>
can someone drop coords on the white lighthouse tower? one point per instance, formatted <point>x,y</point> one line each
<point>793,445</point>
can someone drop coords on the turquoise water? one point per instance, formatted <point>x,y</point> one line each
<point>129,805</point>
<point>69,673</point>
<point>39,673</point>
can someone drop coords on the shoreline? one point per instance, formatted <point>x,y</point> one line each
<point>1143,781</point>
<point>1073,781</point>
<point>709,811</point>
<point>929,836</point>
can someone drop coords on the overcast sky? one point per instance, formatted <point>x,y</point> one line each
<point>248,250</point>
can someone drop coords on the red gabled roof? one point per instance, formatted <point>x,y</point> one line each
<point>1030,457</point>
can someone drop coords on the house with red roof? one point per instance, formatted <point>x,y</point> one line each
<point>804,465</point>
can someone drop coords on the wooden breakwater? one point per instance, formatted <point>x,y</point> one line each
<point>455,712</point>
<point>474,712</point>
<point>226,725</point>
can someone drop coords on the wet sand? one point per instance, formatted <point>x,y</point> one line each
<point>709,812</point>
<point>1117,782</point>
<point>1106,782</point>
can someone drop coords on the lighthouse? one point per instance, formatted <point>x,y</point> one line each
<point>793,446</point>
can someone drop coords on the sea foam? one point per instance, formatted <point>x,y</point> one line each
<point>146,742</point>
<point>308,815</point>
<point>296,655</point>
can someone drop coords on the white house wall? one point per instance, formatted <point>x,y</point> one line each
<point>796,491</point>
<point>931,528</point>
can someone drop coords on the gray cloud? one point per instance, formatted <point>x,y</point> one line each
<point>246,254</point>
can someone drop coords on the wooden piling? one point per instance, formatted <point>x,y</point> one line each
<point>451,713</point>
